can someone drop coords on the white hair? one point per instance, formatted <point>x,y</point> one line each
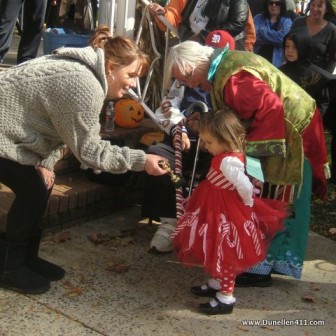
<point>185,56</point>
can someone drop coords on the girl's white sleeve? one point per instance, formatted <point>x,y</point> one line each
<point>233,169</point>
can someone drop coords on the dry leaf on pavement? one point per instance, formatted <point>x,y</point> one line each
<point>308,298</point>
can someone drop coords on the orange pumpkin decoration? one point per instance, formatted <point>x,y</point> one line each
<point>128,113</point>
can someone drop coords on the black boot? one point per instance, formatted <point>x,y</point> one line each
<point>43,267</point>
<point>15,275</point>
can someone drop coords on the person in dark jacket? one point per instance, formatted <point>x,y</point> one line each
<point>195,19</point>
<point>300,69</point>
<point>271,26</point>
<point>257,6</point>
<point>319,83</point>
<point>33,19</point>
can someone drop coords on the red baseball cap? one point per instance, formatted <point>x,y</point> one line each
<point>219,39</point>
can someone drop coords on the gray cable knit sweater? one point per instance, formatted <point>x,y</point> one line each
<point>55,100</point>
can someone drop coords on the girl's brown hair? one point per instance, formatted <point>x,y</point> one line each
<point>225,127</point>
<point>120,50</point>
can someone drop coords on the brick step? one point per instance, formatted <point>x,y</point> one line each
<point>76,199</point>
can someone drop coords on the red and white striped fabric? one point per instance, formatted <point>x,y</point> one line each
<point>178,168</point>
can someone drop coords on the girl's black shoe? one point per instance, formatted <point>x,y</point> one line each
<point>221,308</point>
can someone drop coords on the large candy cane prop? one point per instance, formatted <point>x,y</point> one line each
<point>178,169</point>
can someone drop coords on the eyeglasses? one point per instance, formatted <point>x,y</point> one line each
<point>274,3</point>
<point>187,75</point>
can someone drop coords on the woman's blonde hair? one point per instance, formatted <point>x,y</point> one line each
<point>225,127</point>
<point>120,50</point>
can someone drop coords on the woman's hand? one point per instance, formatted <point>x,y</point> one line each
<point>47,176</point>
<point>152,166</point>
<point>156,9</point>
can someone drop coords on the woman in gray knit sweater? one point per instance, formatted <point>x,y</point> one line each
<point>46,103</point>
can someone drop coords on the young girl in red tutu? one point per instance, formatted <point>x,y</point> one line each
<point>225,228</point>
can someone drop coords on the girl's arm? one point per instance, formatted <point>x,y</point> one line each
<point>233,169</point>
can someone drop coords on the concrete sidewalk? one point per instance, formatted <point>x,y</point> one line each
<point>118,288</point>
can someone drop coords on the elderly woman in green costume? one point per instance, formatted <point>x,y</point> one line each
<point>284,130</point>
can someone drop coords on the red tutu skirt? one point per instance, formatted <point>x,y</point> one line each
<point>217,230</point>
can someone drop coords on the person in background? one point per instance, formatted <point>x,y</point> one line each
<point>292,155</point>
<point>84,17</point>
<point>271,26</point>
<point>319,83</point>
<point>311,77</point>
<point>45,103</point>
<point>318,24</point>
<point>257,6</point>
<point>225,228</point>
<point>250,33</point>
<point>33,19</point>
<point>195,19</point>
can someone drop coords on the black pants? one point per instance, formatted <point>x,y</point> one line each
<point>30,202</point>
<point>33,20</point>
<point>159,196</point>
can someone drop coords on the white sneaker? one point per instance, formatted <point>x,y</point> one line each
<point>162,241</point>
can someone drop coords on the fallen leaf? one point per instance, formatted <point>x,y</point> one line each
<point>308,299</point>
<point>72,290</point>
<point>75,292</point>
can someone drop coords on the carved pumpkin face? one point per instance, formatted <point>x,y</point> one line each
<point>128,113</point>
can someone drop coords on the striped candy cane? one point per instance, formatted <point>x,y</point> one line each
<point>251,230</point>
<point>178,168</point>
